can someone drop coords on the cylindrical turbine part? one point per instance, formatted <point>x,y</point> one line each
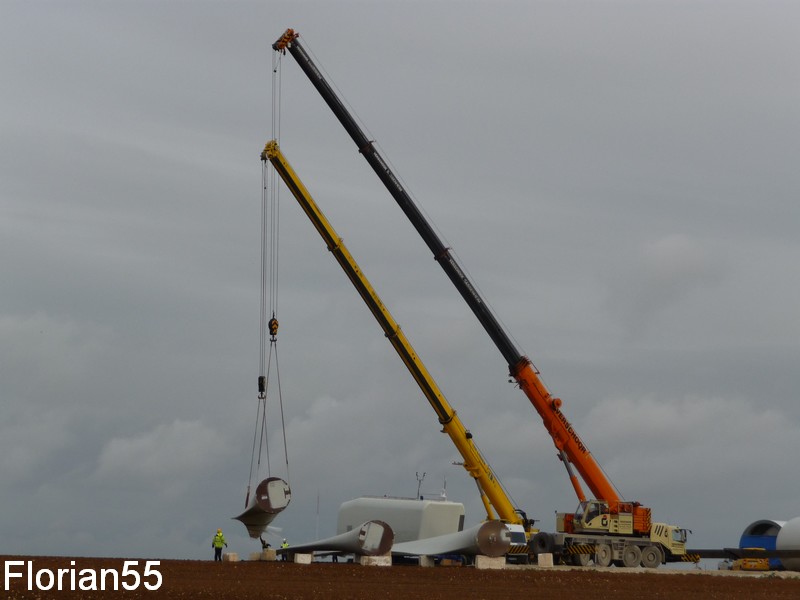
<point>490,538</point>
<point>271,497</point>
<point>372,538</point>
<point>789,539</point>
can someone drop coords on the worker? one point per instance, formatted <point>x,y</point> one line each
<point>217,544</point>
<point>285,548</point>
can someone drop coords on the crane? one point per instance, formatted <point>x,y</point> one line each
<point>608,527</point>
<point>495,500</point>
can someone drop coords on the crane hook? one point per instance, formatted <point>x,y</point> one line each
<point>273,328</point>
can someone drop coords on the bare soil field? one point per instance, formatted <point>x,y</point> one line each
<point>246,580</point>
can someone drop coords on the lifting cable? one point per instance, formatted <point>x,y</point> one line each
<point>268,326</point>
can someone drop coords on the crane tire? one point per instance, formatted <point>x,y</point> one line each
<point>602,555</point>
<point>631,556</point>
<point>651,557</point>
<point>581,560</point>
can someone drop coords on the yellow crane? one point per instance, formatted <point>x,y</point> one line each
<point>494,498</point>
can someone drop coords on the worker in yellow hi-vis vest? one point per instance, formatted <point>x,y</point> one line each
<point>217,544</point>
<point>285,548</point>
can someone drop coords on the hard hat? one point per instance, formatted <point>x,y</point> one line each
<point>219,530</point>
<point>284,539</point>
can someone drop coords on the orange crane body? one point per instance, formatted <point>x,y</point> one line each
<point>615,529</point>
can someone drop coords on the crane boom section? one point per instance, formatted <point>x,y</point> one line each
<point>290,42</point>
<point>474,462</point>
<point>564,436</point>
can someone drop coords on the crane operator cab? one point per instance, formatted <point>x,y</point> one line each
<point>594,516</point>
<point>519,550</point>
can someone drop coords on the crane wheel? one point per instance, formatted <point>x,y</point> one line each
<point>651,557</point>
<point>602,555</point>
<point>631,556</point>
<point>581,560</point>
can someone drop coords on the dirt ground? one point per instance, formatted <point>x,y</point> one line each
<point>246,580</point>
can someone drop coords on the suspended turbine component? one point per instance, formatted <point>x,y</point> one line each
<point>271,497</point>
<point>372,538</point>
<point>490,538</point>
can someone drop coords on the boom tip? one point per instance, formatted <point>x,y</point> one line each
<point>285,40</point>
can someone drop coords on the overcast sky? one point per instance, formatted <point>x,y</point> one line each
<point>619,178</point>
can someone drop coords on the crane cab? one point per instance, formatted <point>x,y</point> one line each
<point>519,550</point>
<point>595,516</point>
<point>670,537</point>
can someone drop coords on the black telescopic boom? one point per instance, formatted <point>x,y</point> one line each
<point>440,252</point>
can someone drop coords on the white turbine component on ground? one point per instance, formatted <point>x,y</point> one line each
<point>409,518</point>
<point>789,539</point>
<point>491,538</point>
<point>271,497</point>
<point>372,538</point>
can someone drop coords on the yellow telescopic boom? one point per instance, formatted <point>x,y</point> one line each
<point>492,493</point>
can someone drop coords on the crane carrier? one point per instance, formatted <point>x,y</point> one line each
<point>607,529</point>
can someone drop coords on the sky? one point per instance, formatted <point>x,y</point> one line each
<point>619,179</point>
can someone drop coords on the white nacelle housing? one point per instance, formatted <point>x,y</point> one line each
<point>409,518</point>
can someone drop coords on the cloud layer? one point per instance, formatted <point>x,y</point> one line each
<point>619,180</point>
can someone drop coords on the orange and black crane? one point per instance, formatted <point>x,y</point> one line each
<point>607,528</point>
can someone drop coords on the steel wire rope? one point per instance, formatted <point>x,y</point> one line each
<point>261,406</point>
<point>283,422</point>
<point>253,451</point>
<point>270,215</point>
<point>263,446</point>
<point>275,190</point>
<point>274,247</point>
